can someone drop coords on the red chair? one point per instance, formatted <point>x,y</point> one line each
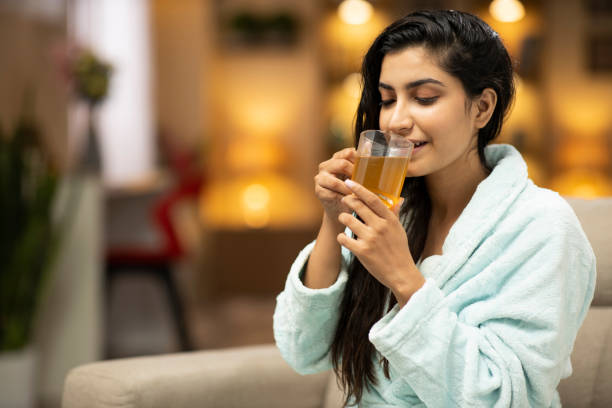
<point>158,259</point>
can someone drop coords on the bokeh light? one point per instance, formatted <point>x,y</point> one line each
<point>507,11</point>
<point>355,12</point>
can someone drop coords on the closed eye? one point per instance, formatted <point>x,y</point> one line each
<point>387,102</point>
<point>426,101</point>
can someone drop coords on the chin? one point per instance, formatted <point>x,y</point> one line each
<point>414,170</point>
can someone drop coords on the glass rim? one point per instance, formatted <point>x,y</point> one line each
<point>393,135</point>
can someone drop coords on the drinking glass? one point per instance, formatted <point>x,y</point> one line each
<point>382,161</point>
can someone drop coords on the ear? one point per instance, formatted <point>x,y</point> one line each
<point>485,105</point>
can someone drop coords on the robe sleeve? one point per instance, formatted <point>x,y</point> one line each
<point>305,319</point>
<point>509,344</point>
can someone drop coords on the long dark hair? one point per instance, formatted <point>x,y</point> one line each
<point>467,48</point>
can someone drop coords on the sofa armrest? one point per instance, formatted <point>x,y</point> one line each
<point>589,385</point>
<point>254,376</point>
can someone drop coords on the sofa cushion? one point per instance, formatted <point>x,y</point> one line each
<point>254,376</point>
<point>589,384</point>
<point>596,219</point>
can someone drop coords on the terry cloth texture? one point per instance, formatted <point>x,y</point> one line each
<point>495,323</point>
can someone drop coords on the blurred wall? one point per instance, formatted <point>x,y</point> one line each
<point>580,100</point>
<point>119,33</point>
<point>182,41</point>
<point>265,122</point>
<point>26,48</point>
<point>561,118</point>
<point>269,92</point>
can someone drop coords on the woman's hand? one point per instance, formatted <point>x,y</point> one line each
<point>330,187</point>
<point>381,244</point>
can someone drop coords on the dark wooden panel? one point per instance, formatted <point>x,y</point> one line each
<point>252,262</point>
<point>599,53</point>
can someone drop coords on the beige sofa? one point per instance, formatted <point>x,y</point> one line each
<point>258,377</point>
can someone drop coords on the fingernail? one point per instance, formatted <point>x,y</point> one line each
<point>350,183</point>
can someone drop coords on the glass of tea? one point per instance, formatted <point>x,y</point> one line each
<point>382,161</point>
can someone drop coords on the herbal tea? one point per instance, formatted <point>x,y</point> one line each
<point>384,176</point>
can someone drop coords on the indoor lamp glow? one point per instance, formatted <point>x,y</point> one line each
<point>507,11</point>
<point>355,12</point>
<point>255,200</point>
<point>256,197</point>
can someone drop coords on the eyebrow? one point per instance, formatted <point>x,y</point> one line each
<point>413,84</point>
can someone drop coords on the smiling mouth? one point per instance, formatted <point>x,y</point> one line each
<point>419,144</point>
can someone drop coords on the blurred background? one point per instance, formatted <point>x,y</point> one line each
<point>158,157</point>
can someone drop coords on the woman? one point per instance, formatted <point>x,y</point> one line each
<point>469,293</point>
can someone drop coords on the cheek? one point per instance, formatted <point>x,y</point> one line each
<point>444,121</point>
<point>435,120</point>
<point>383,119</point>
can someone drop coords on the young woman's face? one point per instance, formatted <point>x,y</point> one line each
<point>425,104</point>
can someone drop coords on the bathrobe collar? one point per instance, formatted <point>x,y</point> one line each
<point>492,198</point>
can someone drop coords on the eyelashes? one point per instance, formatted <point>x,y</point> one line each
<point>420,101</point>
<point>426,101</point>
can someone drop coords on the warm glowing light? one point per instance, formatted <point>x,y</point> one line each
<point>583,112</point>
<point>257,219</point>
<point>583,152</point>
<point>355,12</point>
<point>255,100</point>
<point>507,11</point>
<point>250,154</point>
<point>342,105</point>
<point>255,197</point>
<point>255,200</point>
<point>352,85</point>
<point>266,117</point>
<point>345,44</point>
<point>583,184</point>
<point>260,200</point>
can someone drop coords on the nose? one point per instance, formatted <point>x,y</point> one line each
<point>399,120</point>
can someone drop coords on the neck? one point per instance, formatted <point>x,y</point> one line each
<point>452,188</point>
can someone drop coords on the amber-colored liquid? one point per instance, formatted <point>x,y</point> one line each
<point>384,176</point>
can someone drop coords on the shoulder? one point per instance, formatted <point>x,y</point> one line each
<point>545,218</point>
<point>543,207</point>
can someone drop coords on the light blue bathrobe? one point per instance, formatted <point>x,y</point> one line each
<point>496,320</point>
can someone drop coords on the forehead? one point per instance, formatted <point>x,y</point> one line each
<point>410,64</point>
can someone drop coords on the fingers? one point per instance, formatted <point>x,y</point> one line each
<point>369,198</point>
<point>343,168</point>
<point>349,243</point>
<point>360,208</point>
<point>341,164</point>
<point>349,154</point>
<point>348,220</point>
<point>327,195</point>
<point>331,183</point>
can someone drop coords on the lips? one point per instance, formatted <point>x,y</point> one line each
<point>418,145</point>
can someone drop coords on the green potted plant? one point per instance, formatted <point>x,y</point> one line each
<point>89,77</point>
<point>29,237</point>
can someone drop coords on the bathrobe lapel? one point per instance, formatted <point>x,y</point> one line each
<point>493,197</point>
